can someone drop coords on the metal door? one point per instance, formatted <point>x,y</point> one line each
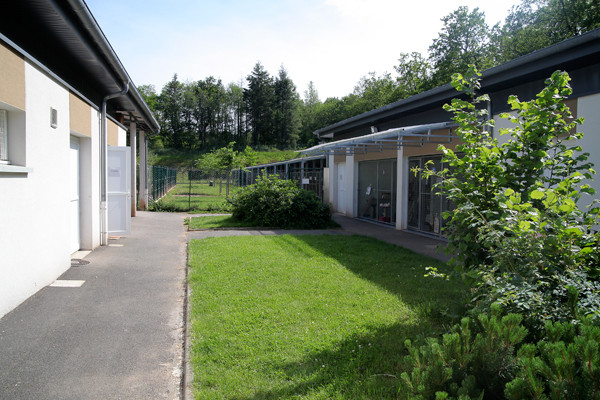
<point>119,190</point>
<point>74,211</point>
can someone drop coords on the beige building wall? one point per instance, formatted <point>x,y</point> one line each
<point>112,131</point>
<point>80,116</point>
<point>12,77</point>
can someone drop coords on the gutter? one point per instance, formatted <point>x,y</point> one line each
<point>91,26</point>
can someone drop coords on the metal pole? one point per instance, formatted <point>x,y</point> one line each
<point>133,145</point>
<point>143,172</point>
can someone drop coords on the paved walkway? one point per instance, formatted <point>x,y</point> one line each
<point>120,335</point>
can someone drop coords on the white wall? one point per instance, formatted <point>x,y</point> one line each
<point>122,137</point>
<point>34,234</point>
<point>588,107</point>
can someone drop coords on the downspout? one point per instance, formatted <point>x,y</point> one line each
<point>104,162</point>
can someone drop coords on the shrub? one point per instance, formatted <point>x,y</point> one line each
<point>496,363</point>
<point>274,202</point>
<point>519,235</point>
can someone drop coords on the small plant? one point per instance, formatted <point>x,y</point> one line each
<point>565,365</point>
<point>496,363</point>
<point>464,365</point>
<point>274,202</point>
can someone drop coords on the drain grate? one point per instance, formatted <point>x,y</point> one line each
<point>78,262</point>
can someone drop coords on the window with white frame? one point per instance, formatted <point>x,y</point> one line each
<point>3,137</point>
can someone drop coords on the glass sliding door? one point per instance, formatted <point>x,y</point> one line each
<point>367,190</point>
<point>426,203</point>
<point>377,190</point>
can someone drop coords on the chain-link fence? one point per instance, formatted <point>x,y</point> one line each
<point>160,181</point>
<point>193,190</point>
<point>307,173</point>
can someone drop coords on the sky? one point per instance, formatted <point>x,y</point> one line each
<point>332,43</point>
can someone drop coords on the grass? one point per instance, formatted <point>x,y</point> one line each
<point>173,158</point>
<point>204,198</point>
<point>267,157</point>
<point>186,158</point>
<point>311,317</point>
<point>216,221</point>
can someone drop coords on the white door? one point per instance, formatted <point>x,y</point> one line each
<point>341,191</point>
<point>119,191</point>
<point>74,195</point>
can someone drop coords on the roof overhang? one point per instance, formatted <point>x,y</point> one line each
<point>572,53</point>
<point>391,139</point>
<point>64,38</point>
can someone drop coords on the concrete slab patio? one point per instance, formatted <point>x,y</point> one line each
<point>113,329</point>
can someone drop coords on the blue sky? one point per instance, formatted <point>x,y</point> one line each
<point>330,42</point>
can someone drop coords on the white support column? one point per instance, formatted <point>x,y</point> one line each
<point>349,183</point>
<point>133,145</point>
<point>401,191</point>
<point>142,190</point>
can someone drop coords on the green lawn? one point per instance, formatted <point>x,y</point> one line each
<point>204,198</point>
<point>216,221</point>
<point>312,317</point>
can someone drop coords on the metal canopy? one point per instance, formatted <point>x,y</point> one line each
<point>391,139</point>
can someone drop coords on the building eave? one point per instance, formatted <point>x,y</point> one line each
<point>63,36</point>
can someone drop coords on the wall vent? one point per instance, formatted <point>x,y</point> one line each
<point>53,118</point>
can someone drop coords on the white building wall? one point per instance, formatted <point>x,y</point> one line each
<point>588,107</point>
<point>122,137</point>
<point>34,215</point>
<point>90,184</point>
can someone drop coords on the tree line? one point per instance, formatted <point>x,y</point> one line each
<point>267,112</point>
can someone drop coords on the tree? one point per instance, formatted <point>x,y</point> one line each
<point>463,41</point>
<point>227,160</point>
<point>308,116</point>
<point>535,24</point>
<point>414,75</point>
<point>375,91</point>
<point>170,107</point>
<point>208,163</point>
<point>259,98</point>
<point>237,113</point>
<point>286,122</point>
<point>148,93</point>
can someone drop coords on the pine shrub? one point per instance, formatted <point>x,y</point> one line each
<point>497,363</point>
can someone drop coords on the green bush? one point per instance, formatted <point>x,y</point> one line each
<point>273,202</point>
<point>517,231</point>
<point>496,363</point>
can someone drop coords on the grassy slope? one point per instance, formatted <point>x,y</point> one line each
<point>310,317</point>
<point>185,159</point>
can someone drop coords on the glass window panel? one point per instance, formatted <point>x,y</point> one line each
<point>413,193</point>
<point>367,189</point>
